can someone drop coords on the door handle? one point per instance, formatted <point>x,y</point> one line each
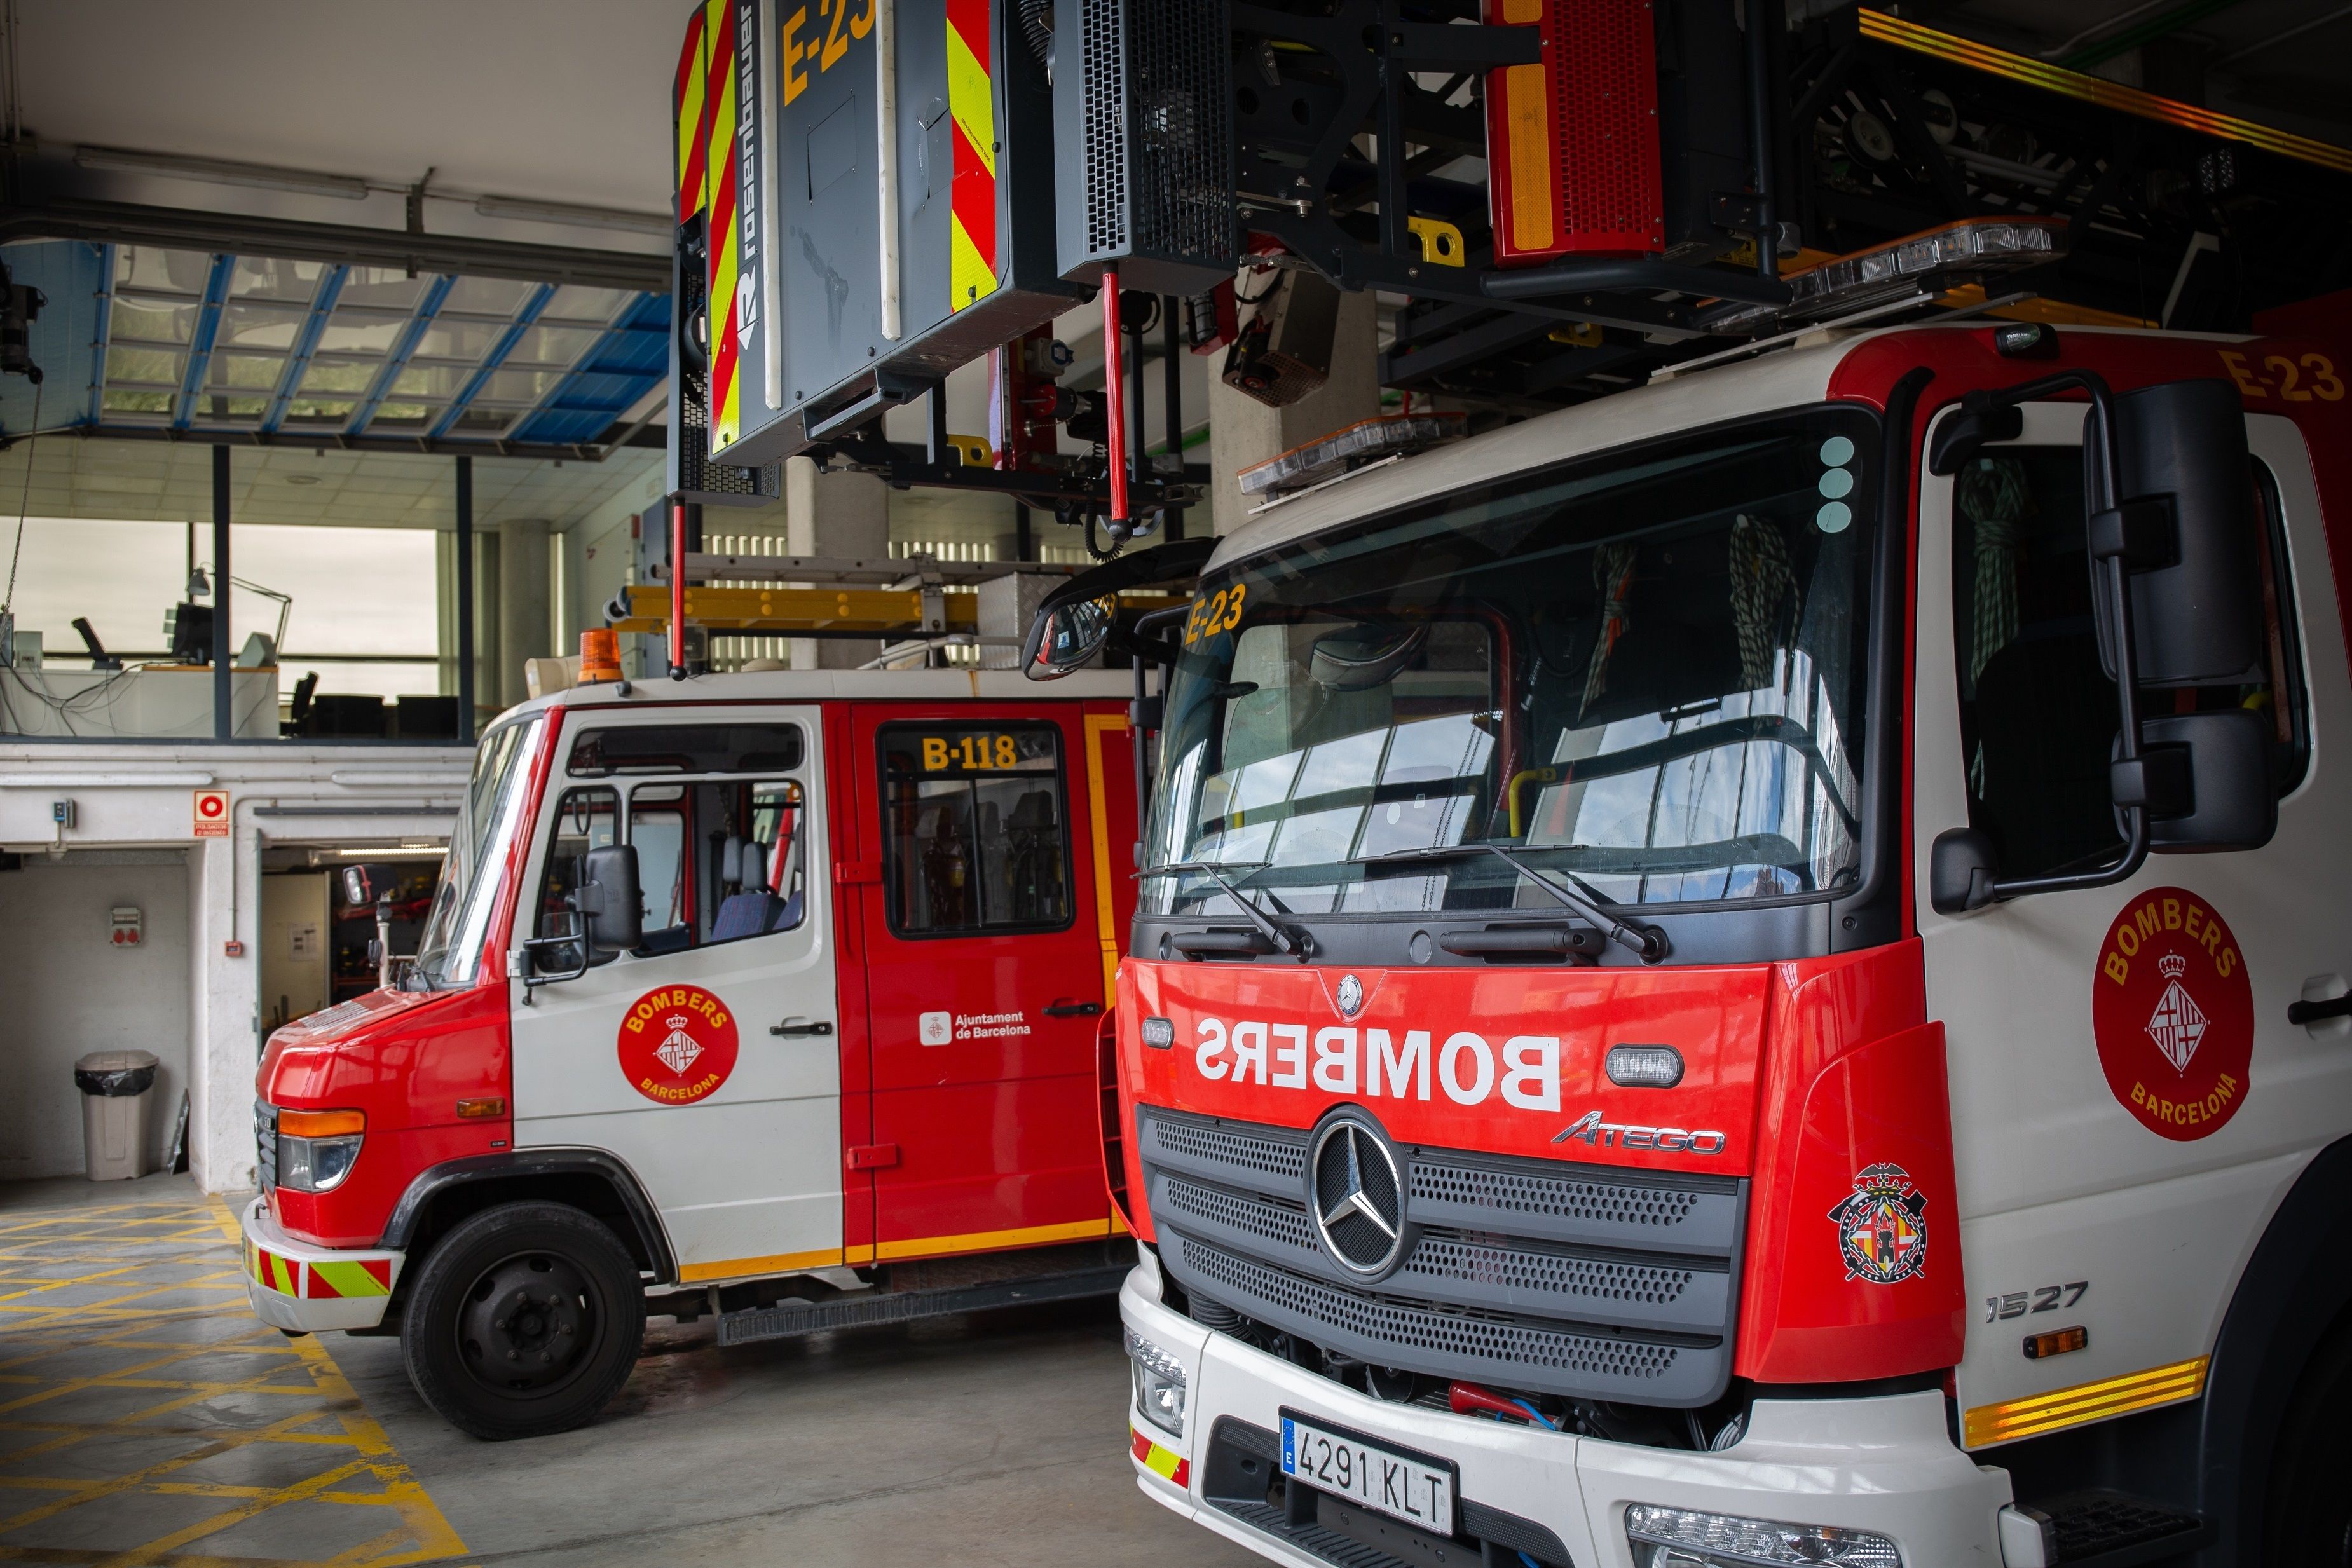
<point>1062,1008</point>
<point>789,1028</point>
<point>2312,1012</point>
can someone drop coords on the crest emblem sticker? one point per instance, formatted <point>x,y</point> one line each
<point>1352,995</point>
<point>2173,1012</point>
<point>677,1044</point>
<point>1881,1235</point>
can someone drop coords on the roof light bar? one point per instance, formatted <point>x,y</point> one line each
<point>1935,260</point>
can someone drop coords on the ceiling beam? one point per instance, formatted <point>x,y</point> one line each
<point>650,439</point>
<point>306,343</point>
<point>201,339</point>
<point>429,305</point>
<point>103,334</point>
<point>535,302</point>
<point>123,223</point>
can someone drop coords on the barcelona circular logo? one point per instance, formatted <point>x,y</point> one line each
<point>677,1044</point>
<point>2173,1012</point>
<point>1881,1233</point>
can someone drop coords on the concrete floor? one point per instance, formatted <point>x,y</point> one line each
<point>993,1440</point>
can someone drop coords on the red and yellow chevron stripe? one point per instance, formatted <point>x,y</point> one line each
<point>690,128</point>
<point>1159,1461</point>
<point>972,203</point>
<point>720,202</point>
<point>318,1281</point>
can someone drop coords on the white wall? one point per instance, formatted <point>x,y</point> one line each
<point>131,796</point>
<point>66,990</point>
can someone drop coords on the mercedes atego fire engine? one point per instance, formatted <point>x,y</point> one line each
<point>754,995</point>
<point>1754,972</point>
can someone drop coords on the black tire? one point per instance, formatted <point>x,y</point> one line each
<point>2308,1521</point>
<point>523,1321</point>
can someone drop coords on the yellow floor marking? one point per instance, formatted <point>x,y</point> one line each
<point>278,1408</point>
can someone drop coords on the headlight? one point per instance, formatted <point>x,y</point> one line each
<point>317,1149</point>
<point>1158,1385</point>
<point>1678,1538</point>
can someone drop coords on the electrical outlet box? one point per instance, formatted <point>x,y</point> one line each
<point>62,813</point>
<point>126,927</point>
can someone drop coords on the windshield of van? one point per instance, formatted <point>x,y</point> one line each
<point>496,801</point>
<point>1642,672</point>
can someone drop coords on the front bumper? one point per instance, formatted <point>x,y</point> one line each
<point>295,1285</point>
<point>1887,1465</point>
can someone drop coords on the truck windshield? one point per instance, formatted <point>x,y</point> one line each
<point>1642,672</point>
<point>496,801</point>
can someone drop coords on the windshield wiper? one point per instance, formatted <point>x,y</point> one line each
<point>1297,944</point>
<point>1648,941</point>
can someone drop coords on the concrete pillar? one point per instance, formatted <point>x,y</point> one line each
<point>1243,431</point>
<point>839,514</point>
<point>526,608</point>
<point>225,1025</point>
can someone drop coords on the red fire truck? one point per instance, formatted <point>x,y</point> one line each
<point>758,995</point>
<point>1754,972</point>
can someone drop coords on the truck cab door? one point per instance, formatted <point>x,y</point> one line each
<point>2128,1098</point>
<point>706,1060</point>
<point>985,972</point>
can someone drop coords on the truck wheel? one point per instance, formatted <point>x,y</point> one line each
<point>2308,1523</point>
<point>523,1321</point>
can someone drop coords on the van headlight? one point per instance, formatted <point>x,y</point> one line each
<point>1158,1385</point>
<point>1680,1538</point>
<point>317,1149</point>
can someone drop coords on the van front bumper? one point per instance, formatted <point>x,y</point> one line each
<point>296,1286</point>
<point>1884,1465</point>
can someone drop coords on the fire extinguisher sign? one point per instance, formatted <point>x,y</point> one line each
<point>211,814</point>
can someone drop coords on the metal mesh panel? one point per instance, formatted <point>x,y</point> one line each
<point>1283,1224</point>
<point>1561,1197</point>
<point>1590,1284</point>
<point>1398,1333</point>
<point>1106,39</point>
<point>1283,1159</point>
<point>1183,128</point>
<point>1443,1262</point>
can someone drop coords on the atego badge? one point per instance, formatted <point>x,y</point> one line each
<point>1881,1235</point>
<point>677,1044</point>
<point>2174,1014</point>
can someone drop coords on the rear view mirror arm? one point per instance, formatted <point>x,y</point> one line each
<point>1164,655</point>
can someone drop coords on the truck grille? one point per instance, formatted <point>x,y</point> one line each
<point>265,1146</point>
<point>1580,1281</point>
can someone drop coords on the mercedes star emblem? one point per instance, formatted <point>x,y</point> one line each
<point>1351,995</point>
<point>1356,1197</point>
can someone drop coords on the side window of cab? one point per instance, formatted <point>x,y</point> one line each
<point>717,814</point>
<point>2037,707</point>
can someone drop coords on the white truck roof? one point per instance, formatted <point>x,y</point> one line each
<point>852,685</point>
<point>1777,379</point>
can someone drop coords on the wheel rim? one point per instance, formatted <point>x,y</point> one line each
<point>527,1324</point>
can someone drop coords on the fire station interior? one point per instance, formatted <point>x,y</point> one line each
<point>370,374</point>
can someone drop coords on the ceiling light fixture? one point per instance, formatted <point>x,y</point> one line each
<point>529,211</point>
<point>223,172</point>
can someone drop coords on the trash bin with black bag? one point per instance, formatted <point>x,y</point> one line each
<point>117,1094</point>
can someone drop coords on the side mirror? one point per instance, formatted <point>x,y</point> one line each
<point>1960,436</point>
<point>611,908</point>
<point>1064,636</point>
<point>357,892</point>
<point>2196,593</point>
<point>2205,780</point>
<point>1961,869</point>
